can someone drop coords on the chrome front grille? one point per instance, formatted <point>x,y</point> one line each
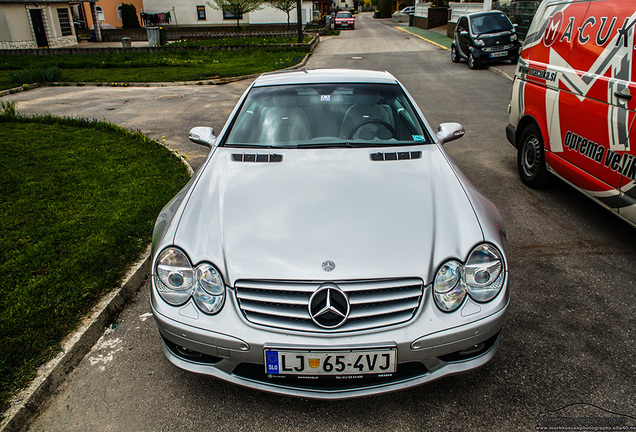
<point>373,304</point>
<point>497,48</point>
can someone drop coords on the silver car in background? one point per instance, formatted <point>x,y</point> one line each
<point>328,247</point>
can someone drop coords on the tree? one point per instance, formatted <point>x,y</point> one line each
<point>129,16</point>
<point>236,7</point>
<point>285,5</point>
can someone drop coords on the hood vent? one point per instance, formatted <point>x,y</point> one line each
<point>251,157</point>
<point>396,156</point>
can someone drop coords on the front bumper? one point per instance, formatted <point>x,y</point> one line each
<point>510,135</point>
<point>426,351</point>
<point>494,54</point>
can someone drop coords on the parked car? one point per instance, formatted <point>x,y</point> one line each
<point>484,37</point>
<point>344,20</point>
<point>409,10</point>
<point>572,106</point>
<point>328,247</point>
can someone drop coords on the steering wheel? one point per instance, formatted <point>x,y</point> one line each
<point>368,121</point>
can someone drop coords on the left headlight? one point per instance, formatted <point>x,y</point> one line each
<point>177,280</point>
<point>513,37</point>
<point>482,278</point>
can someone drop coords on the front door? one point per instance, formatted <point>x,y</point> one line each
<point>38,28</point>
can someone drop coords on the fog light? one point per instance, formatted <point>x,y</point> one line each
<point>472,350</point>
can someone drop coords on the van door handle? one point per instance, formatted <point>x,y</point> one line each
<point>621,95</point>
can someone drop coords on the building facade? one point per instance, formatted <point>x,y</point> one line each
<point>36,24</point>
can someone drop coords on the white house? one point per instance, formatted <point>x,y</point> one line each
<point>199,12</point>
<point>36,24</point>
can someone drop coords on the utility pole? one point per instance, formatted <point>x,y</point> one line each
<point>96,27</point>
<point>299,16</point>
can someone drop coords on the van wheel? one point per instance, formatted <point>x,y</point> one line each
<point>454,54</point>
<point>472,63</point>
<point>531,158</point>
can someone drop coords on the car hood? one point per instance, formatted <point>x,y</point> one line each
<point>282,220</point>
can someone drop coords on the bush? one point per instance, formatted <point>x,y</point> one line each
<point>129,16</point>
<point>385,8</point>
<point>35,75</point>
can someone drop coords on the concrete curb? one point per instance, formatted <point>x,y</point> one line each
<point>422,37</point>
<point>52,374</point>
<point>25,405</point>
<point>499,72</point>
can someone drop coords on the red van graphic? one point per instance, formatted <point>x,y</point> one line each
<point>572,109</point>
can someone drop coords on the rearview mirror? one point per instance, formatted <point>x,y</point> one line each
<point>202,135</point>
<point>450,132</point>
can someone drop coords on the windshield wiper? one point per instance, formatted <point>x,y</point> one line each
<point>367,144</point>
<point>325,145</point>
<point>262,146</point>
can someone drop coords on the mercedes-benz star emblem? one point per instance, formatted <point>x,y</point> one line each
<point>329,306</point>
<point>328,266</point>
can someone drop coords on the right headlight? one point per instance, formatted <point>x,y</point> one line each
<point>174,276</point>
<point>479,42</point>
<point>482,278</point>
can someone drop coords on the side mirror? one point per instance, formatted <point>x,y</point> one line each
<point>463,33</point>
<point>202,135</point>
<point>515,26</point>
<point>447,132</point>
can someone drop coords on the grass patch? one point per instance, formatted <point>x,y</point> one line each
<point>42,74</point>
<point>78,204</point>
<point>167,66</point>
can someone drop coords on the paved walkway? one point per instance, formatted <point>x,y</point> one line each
<point>436,35</point>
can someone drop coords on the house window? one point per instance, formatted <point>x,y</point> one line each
<point>65,22</point>
<point>100,13</point>
<point>230,15</point>
<point>201,13</point>
<point>119,12</point>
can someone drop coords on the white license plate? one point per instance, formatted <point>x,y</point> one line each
<point>499,54</point>
<point>350,362</point>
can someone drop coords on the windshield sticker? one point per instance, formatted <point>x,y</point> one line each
<point>418,138</point>
<point>325,98</point>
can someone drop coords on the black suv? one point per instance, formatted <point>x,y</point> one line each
<point>483,37</point>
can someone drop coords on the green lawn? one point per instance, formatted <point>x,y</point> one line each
<point>78,204</point>
<point>168,66</point>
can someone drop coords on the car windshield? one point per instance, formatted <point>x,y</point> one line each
<point>490,23</point>
<point>326,115</point>
<point>344,15</point>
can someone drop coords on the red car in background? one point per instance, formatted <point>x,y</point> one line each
<point>344,20</point>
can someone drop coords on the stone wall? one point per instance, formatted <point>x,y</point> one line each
<point>201,32</point>
<point>112,50</point>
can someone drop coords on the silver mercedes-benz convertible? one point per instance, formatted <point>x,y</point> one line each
<point>328,247</point>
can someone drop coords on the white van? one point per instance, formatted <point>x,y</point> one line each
<point>572,109</point>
